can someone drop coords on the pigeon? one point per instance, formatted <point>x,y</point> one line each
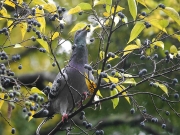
<point>69,87</point>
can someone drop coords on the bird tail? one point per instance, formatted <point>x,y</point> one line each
<point>42,113</point>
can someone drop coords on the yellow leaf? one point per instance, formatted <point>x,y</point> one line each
<point>17,46</point>
<point>173,49</point>
<point>99,93</point>
<point>23,28</point>
<point>142,2</point>
<point>114,100</point>
<point>171,12</point>
<point>112,58</point>
<point>120,88</point>
<point>9,24</point>
<point>1,97</point>
<point>91,85</point>
<point>85,6</point>
<point>160,24</point>
<point>74,10</point>
<point>138,42</point>
<point>9,3</point>
<point>164,88</point>
<point>55,35</point>
<point>128,49</point>
<point>40,18</point>
<point>111,79</point>
<point>101,55</point>
<point>130,81</point>
<point>132,8</point>
<point>159,43</point>
<point>78,26</point>
<point>137,29</point>
<point>38,2</point>
<point>3,12</point>
<point>36,90</point>
<point>106,14</point>
<point>43,44</point>
<point>117,9</point>
<point>50,7</point>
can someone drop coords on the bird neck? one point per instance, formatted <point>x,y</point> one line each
<point>79,57</point>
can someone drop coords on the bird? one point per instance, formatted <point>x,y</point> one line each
<point>69,86</point>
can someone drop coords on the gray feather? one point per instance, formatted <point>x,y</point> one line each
<point>67,89</point>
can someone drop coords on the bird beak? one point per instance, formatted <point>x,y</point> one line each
<point>86,28</point>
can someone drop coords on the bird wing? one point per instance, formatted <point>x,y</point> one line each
<point>58,84</point>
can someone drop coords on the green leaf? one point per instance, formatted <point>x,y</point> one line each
<point>159,43</point>
<point>85,6</point>
<point>120,88</point>
<point>108,5</point>
<point>177,37</point>
<point>137,29</point>
<point>75,10</point>
<point>44,44</point>
<point>128,49</point>
<point>17,46</point>
<point>115,101</point>
<point>142,2</point>
<point>171,12</point>
<point>23,28</point>
<point>1,97</point>
<point>50,7</point>
<point>138,42</point>
<point>160,24</point>
<point>36,90</point>
<point>132,8</point>
<point>173,49</point>
<point>164,88</point>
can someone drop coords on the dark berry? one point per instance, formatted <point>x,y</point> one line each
<point>20,67</point>
<point>40,7</point>
<point>108,66</point>
<point>104,5</point>
<point>162,6</point>
<point>92,40</point>
<point>81,12</point>
<point>174,81</point>
<point>143,13</point>
<point>45,112</point>
<point>24,109</point>
<point>142,57</point>
<point>176,95</point>
<point>89,125</point>
<point>29,113</point>
<point>155,56</point>
<point>132,110</point>
<point>121,15</point>
<point>84,123</point>
<point>82,113</point>
<point>163,126</point>
<point>13,131</point>
<point>63,9</point>
<point>113,73</point>
<point>53,64</point>
<point>167,113</point>
<point>142,124</point>
<point>166,52</point>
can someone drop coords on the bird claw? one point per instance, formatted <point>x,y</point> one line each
<point>64,117</point>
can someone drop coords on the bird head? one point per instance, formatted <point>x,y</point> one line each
<point>80,36</point>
